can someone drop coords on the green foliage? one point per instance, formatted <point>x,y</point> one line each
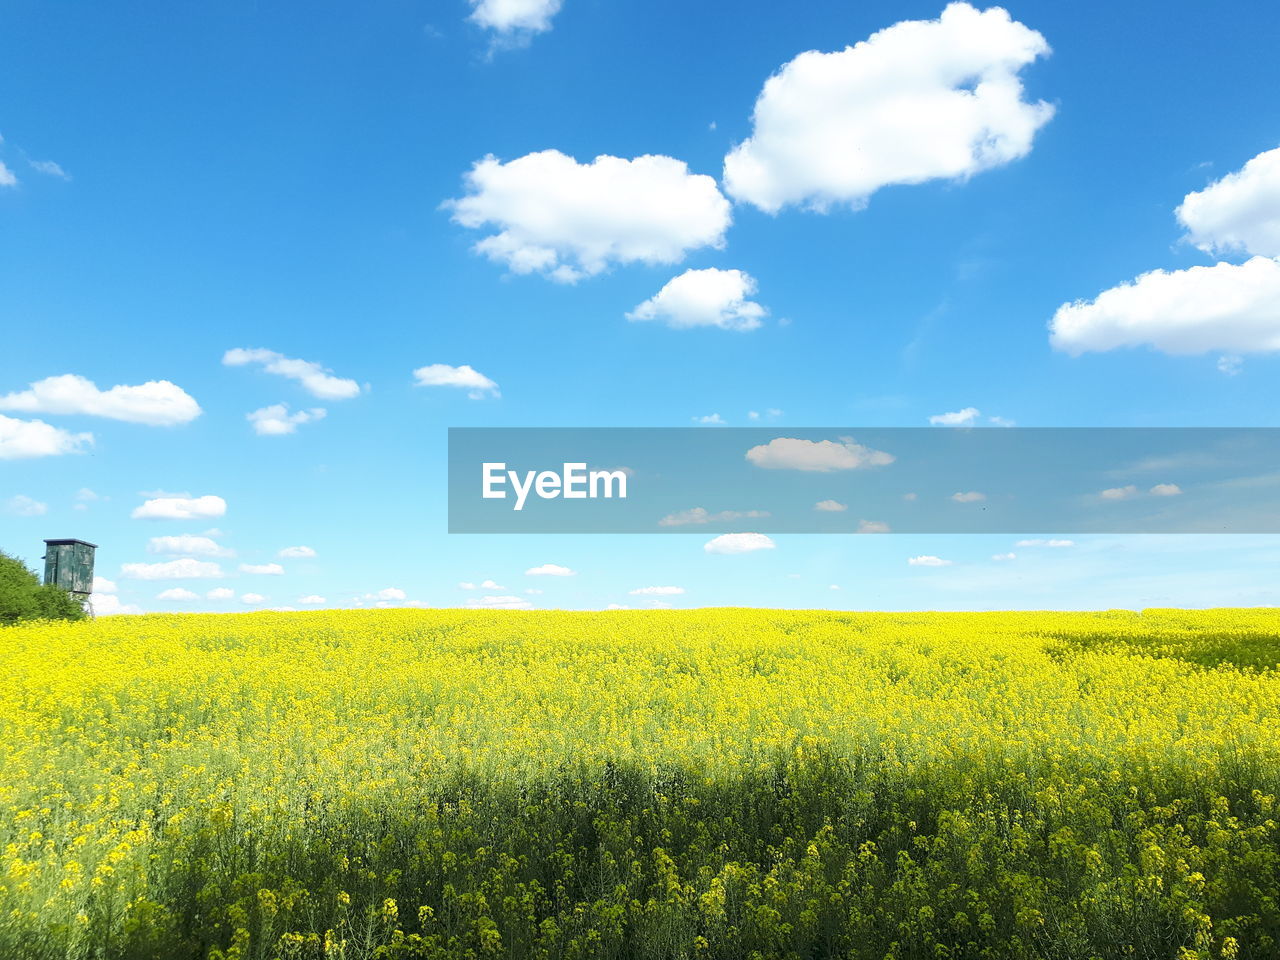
<point>22,597</point>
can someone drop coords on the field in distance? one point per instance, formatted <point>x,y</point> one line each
<point>667,784</point>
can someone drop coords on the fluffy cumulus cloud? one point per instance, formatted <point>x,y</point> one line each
<point>1119,493</point>
<point>177,593</point>
<point>103,585</point>
<point>23,439</point>
<point>263,569</point>
<point>24,506</point>
<point>7,176</point>
<point>297,553</point>
<point>1228,307</point>
<point>657,591</point>
<point>220,593</point>
<point>157,403</point>
<point>180,508</point>
<point>920,100</point>
<point>699,515</point>
<point>185,568</point>
<point>820,456</point>
<point>190,545</point>
<point>738,543</point>
<point>1240,212</point>
<point>928,560</point>
<point>1166,490</point>
<point>830,506</point>
<point>252,598</point>
<point>464,377</point>
<point>873,526</point>
<point>959,418</point>
<point>387,593</point>
<point>500,603</point>
<point>314,378</point>
<point>312,599</point>
<point>550,214</point>
<point>705,298</point>
<point>514,20</point>
<point>550,570</point>
<point>109,605</point>
<point>276,420</point>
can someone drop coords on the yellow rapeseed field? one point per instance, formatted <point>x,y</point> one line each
<point>718,783</point>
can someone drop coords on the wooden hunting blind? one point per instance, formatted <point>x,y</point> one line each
<point>69,565</point>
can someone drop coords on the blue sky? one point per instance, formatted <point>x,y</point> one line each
<point>179,182</point>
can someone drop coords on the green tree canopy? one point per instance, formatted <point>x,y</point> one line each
<point>23,597</point>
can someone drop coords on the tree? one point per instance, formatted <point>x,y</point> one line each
<point>22,597</point>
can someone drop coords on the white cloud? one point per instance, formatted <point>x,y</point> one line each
<point>550,570</point>
<point>177,593</point>
<point>514,20</point>
<point>180,508</point>
<point>1004,556</point>
<point>252,598</point>
<point>971,496</point>
<point>49,168</point>
<point>387,593</point>
<point>24,506</point>
<point>1045,543</point>
<point>772,413</point>
<point>1230,364</point>
<point>297,553</point>
<point>822,456</point>
<point>1166,490</point>
<point>466,585</point>
<point>656,591</point>
<point>188,544</point>
<point>960,418</point>
<point>220,593</point>
<point>873,526</point>
<point>276,420</point>
<point>533,591</point>
<point>313,598</point>
<point>928,560</point>
<point>1240,212</point>
<point>264,569</point>
<point>468,378</point>
<point>704,298</point>
<point>910,497</point>
<point>921,100</point>
<point>20,439</point>
<point>85,495</point>
<point>315,379</point>
<point>109,605</point>
<point>738,543</point>
<point>490,585</point>
<point>1229,307</point>
<point>617,606</point>
<point>699,515</point>
<point>500,603</point>
<point>1002,421</point>
<point>183,569</point>
<point>570,220</point>
<point>157,403</point>
<point>831,506</point>
<point>103,585</point>
<point>7,178</point>
<point>710,420</point>
<point>1119,493</point>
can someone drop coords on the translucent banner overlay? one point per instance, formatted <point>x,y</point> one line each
<point>864,480</point>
